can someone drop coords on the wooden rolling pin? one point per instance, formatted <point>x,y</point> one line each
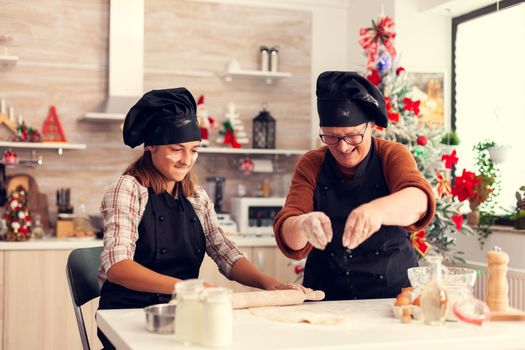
<point>274,298</point>
<point>271,298</point>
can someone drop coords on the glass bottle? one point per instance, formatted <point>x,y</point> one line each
<point>188,314</point>
<point>217,317</point>
<point>434,298</point>
<point>38,230</point>
<point>81,220</point>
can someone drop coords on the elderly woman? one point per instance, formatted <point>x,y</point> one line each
<point>353,201</point>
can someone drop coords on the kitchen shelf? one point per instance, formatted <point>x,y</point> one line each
<point>8,61</point>
<point>59,146</point>
<point>103,117</point>
<point>225,150</point>
<point>268,76</point>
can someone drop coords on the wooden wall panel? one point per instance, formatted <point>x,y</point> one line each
<point>62,47</point>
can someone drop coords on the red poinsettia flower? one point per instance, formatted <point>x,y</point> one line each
<point>411,105</point>
<point>450,159</point>
<point>464,185</point>
<point>23,230</point>
<point>422,140</point>
<point>400,70</point>
<point>374,77</point>
<point>458,220</point>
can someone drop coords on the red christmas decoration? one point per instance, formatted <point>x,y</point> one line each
<point>450,159</point>
<point>10,158</point>
<point>443,185</point>
<point>422,140</point>
<point>419,242</point>
<point>374,77</point>
<point>411,105</point>
<point>52,129</point>
<point>458,220</point>
<point>17,216</point>
<point>400,70</point>
<point>381,32</point>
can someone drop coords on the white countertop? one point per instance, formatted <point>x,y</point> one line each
<point>74,243</point>
<point>370,326</point>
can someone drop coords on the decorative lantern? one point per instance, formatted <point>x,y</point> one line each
<point>263,130</point>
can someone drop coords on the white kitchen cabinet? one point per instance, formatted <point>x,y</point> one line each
<point>37,307</point>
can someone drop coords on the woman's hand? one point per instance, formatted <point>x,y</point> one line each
<point>362,222</point>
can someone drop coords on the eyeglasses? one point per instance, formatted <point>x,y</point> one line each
<point>352,139</point>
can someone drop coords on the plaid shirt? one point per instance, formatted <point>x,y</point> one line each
<point>122,209</point>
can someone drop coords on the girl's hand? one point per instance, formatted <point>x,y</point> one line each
<point>280,286</point>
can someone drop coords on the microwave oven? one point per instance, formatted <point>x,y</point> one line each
<point>255,215</point>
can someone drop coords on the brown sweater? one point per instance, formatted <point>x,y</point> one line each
<point>400,171</point>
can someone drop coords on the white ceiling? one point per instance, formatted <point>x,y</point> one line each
<point>453,8</point>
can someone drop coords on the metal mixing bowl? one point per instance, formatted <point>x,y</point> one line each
<point>160,318</point>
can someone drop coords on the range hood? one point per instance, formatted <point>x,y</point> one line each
<point>126,60</point>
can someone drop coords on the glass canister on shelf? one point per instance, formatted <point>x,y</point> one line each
<point>217,317</point>
<point>188,314</point>
<point>38,230</point>
<point>264,130</point>
<point>434,298</point>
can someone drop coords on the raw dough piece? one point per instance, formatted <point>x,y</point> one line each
<point>297,315</point>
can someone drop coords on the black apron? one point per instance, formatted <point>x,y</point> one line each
<point>171,242</point>
<point>377,267</point>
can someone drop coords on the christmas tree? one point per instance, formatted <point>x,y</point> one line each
<point>232,132</point>
<point>422,139</point>
<point>17,217</point>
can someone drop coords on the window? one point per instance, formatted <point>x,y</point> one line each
<point>489,89</point>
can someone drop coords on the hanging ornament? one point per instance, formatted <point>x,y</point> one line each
<point>246,166</point>
<point>10,158</point>
<point>422,140</point>
<point>383,62</point>
<point>443,185</point>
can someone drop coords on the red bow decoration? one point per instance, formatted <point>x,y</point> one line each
<point>419,242</point>
<point>443,185</point>
<point>450,159</point>
<point>381,32</point>
<point>411,105</point>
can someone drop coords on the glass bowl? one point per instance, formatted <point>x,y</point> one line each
<point>458,281</point>
<point>459,276</point>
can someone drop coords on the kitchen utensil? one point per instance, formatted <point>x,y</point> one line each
<point>498,288</point>
<point>271,298</point>
<point>274,298</point>
<point>160,318</point>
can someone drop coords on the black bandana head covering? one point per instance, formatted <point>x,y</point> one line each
<point>162,117</point>
<point>349,99</point>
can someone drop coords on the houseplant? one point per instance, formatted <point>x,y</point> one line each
<point>519,216</point>
<point>450,138</point>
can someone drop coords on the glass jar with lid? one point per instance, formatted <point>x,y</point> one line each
<point>188,314</point>
<point>217,317</point>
